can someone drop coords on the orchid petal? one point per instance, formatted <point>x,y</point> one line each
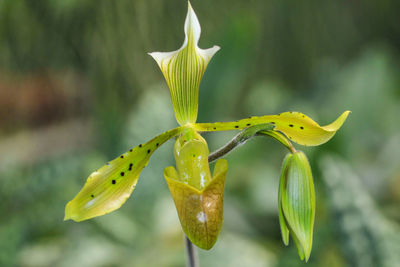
<point>296,126</point>
<point>109,187</point>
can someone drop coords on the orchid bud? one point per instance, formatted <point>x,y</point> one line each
<point>297,203</point>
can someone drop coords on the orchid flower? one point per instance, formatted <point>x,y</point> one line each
<point>198,194</point>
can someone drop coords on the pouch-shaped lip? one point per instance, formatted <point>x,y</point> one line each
<point>200,211</point>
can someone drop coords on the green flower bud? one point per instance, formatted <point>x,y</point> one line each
<point>297,203</point>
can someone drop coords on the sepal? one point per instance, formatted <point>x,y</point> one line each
<point>183,70</point>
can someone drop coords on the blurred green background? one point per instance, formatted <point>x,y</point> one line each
<point>78,89</point>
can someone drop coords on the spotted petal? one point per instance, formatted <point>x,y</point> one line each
<point>183,70</point>
<point>296,126</point>
<point>110,186</point>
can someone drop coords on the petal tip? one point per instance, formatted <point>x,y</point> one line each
<point>192,24</point>
<point>160,56</point>
<point>153,55</point>
<point>209,53</point>
<point>337,124</point>
<point>68,213</point>
<point>346,113</point>
<point>215,49</point>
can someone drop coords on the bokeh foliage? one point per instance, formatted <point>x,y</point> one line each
<point>77,89</point>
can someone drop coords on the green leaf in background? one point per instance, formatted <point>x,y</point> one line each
<point>368,237</point>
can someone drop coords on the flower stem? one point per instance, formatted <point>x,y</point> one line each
<point>239,139</point>
<point>191,252</point>
<point>246,134</point>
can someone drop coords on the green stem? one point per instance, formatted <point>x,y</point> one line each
<point>239,139</point>
<point>246,134</point>
<point>191,252</point>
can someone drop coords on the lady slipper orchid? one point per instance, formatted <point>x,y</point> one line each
<point>197,194</point>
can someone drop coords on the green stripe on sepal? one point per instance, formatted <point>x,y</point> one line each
<point>183,70</point>
<point>297,203</point>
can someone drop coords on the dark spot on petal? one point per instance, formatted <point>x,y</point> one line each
<point>148,151</point>
<point>215,128</point>
<point>236,126</point>
<point>122,173</point>
<point>140,145</point>
<point>113,181</point>
<point>92,196</point>
<point>248,124</point>
<point>290,125</point>
<point>130,150</point>
<point>130,166</point>
<point>301,127</point>
<point>291,112</point>
<point>194,155</point>
<point>272,122</point>
<point>122,156</point>
<point>157,144</point>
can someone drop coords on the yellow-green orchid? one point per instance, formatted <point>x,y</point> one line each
<point>197,194</point>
